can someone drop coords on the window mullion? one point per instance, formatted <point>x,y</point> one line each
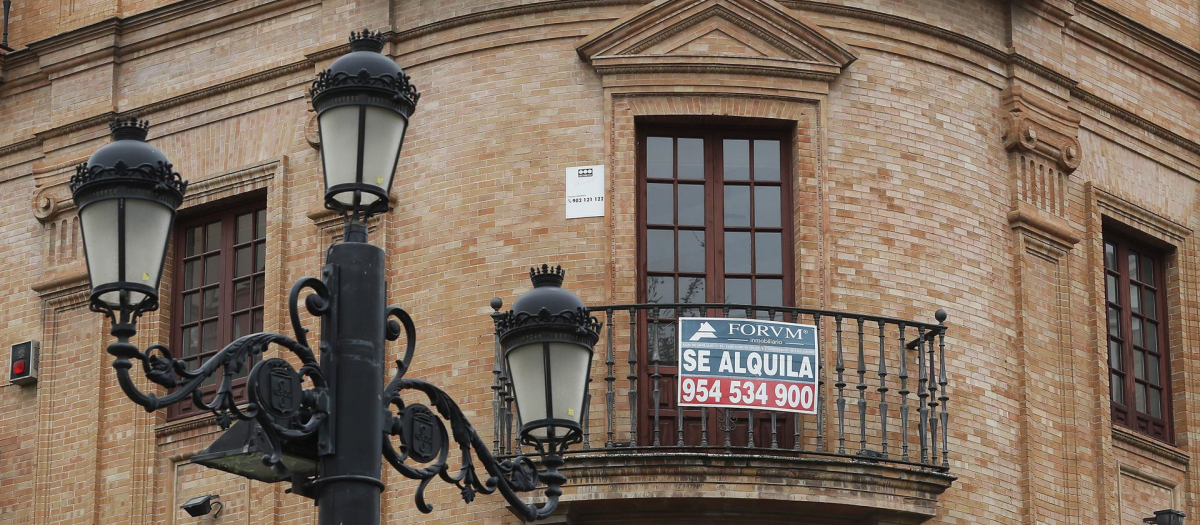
<point>715,176</point>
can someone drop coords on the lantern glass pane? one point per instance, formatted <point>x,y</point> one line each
<point>99,222</point>
<point>527,368</point>
<point>339,146</point>
<point>147,226</point>
<point>568,379</point>
<point>384,133</point>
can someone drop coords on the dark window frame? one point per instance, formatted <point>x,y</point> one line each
<point>1123,399</point>
<point>227,216</point>
<point>714,270</point>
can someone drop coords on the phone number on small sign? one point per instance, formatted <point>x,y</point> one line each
<point>576,200</point>
<point>750,393</point>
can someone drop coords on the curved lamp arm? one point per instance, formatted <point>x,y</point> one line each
<point>162,368</point>
<point>509,476</point>
<point>424,439</point>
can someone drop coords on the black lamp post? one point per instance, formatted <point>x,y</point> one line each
<point>328,439</point>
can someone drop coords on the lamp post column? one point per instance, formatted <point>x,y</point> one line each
<point>353,344</point>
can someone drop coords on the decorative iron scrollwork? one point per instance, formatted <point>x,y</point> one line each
<point>277,400</point>
<point>509,477</point>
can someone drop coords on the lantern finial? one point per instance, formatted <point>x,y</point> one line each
<point>129,128</point>
<point>547,276</point>
<point>366,41</point>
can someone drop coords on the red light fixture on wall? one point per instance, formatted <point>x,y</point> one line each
<point>23,363</point>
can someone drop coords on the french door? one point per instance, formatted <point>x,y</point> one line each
<point>715,227</point>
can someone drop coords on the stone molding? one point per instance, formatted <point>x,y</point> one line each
<point>1135,216</point>
<point>1163,451</point>
<point>1058,236</point>
<point>1035,125</point>
<point>231,183</point>
<point>793,48</point>
<point>1141,33</point>
<point>803,484</point>
<point>1154,480</point>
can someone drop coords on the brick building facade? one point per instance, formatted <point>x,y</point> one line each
<point>1030,166</point>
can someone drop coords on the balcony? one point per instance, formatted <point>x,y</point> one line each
<point>876,451</point>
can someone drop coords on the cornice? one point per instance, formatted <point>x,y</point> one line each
<point>504,12</point>
<point>60,42</point>
<point>225,87</point>
<point>63,287</point>
<point>169,12</point>
<point>1169,70</point>
<point>20,146</point>
<point>718,69</point>
<point>232,182</point>
<point>1140,32</point>
<point>200,421</point>
<point>1178,457</point>
<point>1133,118</point>
<point>1042,71</point>
<point>899,21</point>
<point>199,94</point>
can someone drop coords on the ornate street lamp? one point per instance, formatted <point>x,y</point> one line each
<point>363,103</point>
<point>325,427</point>
<point>127,194</point>
<point>547,342</point>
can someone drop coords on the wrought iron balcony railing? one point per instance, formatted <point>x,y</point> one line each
<point>882,390</point>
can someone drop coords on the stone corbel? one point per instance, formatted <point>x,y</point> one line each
<point>51,195</point>
<point>1036,125</point>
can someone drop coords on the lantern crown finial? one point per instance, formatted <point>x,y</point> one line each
<point>129,128</point>
<point>366,41</point>
<point>547,276</point>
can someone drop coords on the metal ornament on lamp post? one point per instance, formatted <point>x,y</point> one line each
<point>1166,517</point>
<point>326,427</point>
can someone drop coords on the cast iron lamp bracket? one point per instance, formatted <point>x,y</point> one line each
<point>285,412</point>
<point>277,403</point>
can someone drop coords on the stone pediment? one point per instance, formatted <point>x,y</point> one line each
<point>716,36</point>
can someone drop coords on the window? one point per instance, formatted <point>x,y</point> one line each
<point>218,287</point>
<point>715,227</point>
<point>1137,337</point>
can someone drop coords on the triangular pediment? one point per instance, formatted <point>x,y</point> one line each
<point>715,42</point>
<point>748,36</point>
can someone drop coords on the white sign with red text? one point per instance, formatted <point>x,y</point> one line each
<point>747,363</point>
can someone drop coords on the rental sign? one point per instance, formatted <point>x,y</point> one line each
<point>747,363</point>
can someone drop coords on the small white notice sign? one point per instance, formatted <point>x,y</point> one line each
<point>585,192</point>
